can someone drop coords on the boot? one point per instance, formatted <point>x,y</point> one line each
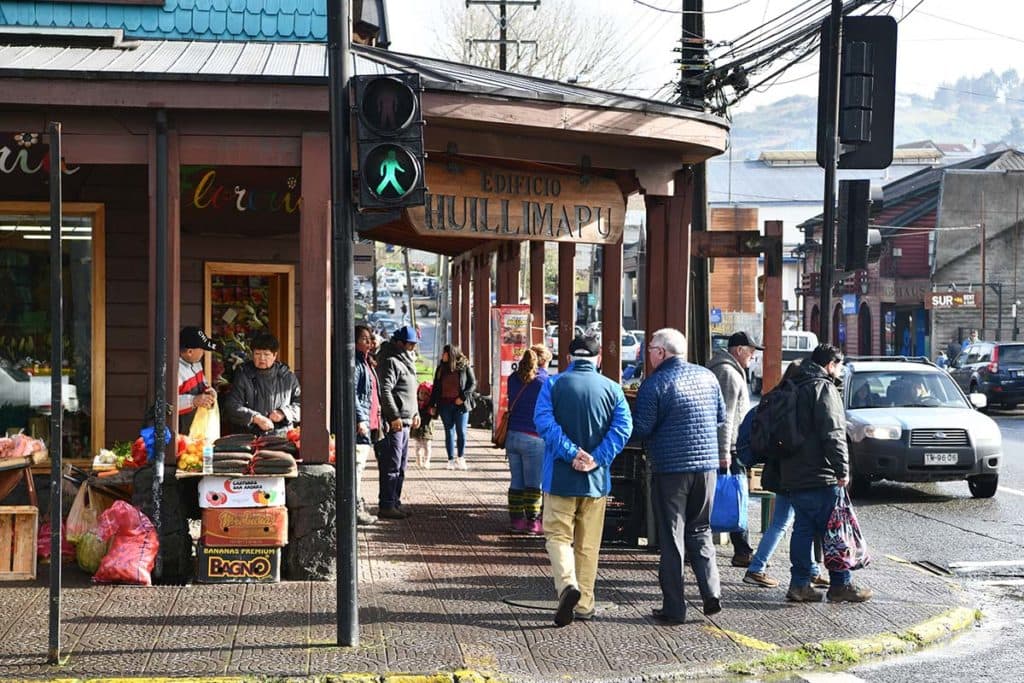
<point>516,514</point>
<point>532,501</point>
<point>363,516</point>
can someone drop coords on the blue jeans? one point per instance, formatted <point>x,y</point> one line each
<point>812,508</point>
<point>456,421</point>
<point>782,519</point>
<point>525,460</point>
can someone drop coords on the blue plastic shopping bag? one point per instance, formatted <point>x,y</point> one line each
<point>729,511</point>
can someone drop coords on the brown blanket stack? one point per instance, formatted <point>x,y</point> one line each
<point>271,462</point>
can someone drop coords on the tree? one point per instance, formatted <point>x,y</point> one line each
<point>590,49</point>
<point>1015,136</point>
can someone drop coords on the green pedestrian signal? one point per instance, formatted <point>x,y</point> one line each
<point>389,135</point>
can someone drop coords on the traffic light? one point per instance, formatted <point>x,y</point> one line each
<point>867,91</point>
<point>854,209</point>
<point>389,136</point>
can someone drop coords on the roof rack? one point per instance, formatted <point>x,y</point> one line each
<point>924,360</point>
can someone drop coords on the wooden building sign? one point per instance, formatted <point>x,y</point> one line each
<point>952,300</point>
<point>491,202</point>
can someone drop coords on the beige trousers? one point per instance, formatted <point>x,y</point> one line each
<point>573,527</point>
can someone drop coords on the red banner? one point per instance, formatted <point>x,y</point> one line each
<point>510,330</point>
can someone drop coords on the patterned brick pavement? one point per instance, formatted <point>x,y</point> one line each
<point>432,594</point>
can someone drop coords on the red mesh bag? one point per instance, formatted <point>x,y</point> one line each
<point>132,553</point>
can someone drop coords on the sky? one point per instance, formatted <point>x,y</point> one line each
<point>939,40</point>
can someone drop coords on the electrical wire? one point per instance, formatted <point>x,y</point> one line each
<point>974,28</point>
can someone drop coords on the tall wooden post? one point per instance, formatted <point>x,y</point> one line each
<point>465,338</point>
<point>482,326</point>
<point>456,303</point>
<point>566,300</point>
<point>537,291</point>
<point>611,310</point>
<point>771,357</point>
<point>667,283</point>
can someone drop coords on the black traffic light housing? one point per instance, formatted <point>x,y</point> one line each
<point>854,211</point>
<point>389,138</point>
<point>867,91</point>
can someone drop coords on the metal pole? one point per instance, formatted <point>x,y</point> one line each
<point>984,291</point>
<point>343,419</point>
<point>503,36</point>
<point>56,399</point>
<point>160,331</point>
<point>408,288</point>
<point>828,227</point>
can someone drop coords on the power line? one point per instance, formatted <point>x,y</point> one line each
<point>974,28</point>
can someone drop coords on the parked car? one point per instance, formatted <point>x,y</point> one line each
<point>630,349</point>
<point>424,306</point>
<point>385,327</point>
<point>796,345</point>
<point>18,388</point>
<point>551,339</point>
<point>994,369</point>
<point>907,420</point>
<point>386,302</point>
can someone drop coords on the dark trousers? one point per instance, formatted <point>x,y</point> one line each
<point>682,509</point>
<point>392,458</point>
<point>740,539</point>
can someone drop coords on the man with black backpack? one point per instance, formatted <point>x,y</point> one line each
<point>814,469</point>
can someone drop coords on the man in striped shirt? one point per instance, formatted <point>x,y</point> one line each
<point>193,391</point>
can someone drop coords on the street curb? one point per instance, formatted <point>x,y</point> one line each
<point>844,653</point>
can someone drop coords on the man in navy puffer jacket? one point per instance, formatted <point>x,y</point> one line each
<point>678,411</point>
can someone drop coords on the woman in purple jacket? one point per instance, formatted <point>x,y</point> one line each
<point>524,447</point>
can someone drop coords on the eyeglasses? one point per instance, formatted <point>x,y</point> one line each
<point>652,347</point>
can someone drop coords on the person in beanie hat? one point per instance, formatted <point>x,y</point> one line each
<point>193,391</point>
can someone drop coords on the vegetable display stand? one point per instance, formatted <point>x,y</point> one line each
<point>19,525</point>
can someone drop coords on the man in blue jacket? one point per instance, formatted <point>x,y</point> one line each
<point>585,422</point>
<point>678,411</point>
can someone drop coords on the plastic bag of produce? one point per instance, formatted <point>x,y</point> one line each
<point>91,551</point>
<point>67,551</point>
<point>85,512</point>
<point>133,546</point>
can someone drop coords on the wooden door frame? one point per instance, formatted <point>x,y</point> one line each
<point>211,268</point>
<point>98,352</point>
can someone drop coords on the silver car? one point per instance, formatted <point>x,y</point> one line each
<point>907,420</point>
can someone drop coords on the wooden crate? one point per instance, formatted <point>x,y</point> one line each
<point>755,479</point>
<point>18,529</point>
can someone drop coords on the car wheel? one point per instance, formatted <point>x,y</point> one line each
<point>983,486</point>
<point>422,311</point>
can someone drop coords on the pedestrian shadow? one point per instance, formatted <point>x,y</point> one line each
<point>886,492</point>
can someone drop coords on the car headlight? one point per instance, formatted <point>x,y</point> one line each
<point>883,432</point>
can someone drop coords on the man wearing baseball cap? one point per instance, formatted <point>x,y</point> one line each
<point>730,367</point>
<point>193,391</point>
<point>585,422</point>
<point>399,411</point>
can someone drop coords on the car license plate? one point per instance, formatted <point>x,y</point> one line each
<point>941,458</point>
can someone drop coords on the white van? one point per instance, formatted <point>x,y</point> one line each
<point>796,345</point>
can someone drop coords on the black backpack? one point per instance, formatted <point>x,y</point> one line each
<point>776,432</point>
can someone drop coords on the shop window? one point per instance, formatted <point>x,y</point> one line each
<point>25,325</point>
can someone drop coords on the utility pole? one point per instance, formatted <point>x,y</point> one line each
<point>503,36</point>
<point>828,226</point>
<point>502,42</point>
<point>693,93</point>
<point>984,289</point>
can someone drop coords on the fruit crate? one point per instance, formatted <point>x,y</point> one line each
<point>18,530</point>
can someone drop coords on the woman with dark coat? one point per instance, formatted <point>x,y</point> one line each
<point>452,399</point>
<point>265,394</point>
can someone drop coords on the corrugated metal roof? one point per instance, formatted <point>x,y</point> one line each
<point>217,20</point>
<point>289,63</point>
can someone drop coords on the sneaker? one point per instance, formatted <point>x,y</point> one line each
<point>566,602</point>
<point>518,526</point>
<point>364,518</point>
<point>391,513</point>
<point>584,616</point>
<point>535,527</point>
<point>849,593</point>
<point>461,464</point>
<point>821,581</point>
<point>450,465</point>
<point>760,579</point>
<point>712,606</point>
<point>426,464</point>
<point>803,594</point>
<point>741,560</point>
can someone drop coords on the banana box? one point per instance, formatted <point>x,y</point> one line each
<point>241,492</point>
<point>237,565</point>
<point>245,527</point>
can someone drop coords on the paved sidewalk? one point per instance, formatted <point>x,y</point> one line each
<point>432,599</point>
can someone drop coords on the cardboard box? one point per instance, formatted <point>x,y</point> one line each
<point>245,527</point>
<point>240,492</point>
<point>237,565</point>
<point>755,474</point>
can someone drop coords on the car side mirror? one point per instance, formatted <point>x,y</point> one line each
<point>979,400</point>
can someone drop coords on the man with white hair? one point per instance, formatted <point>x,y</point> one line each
<point>678,411</point>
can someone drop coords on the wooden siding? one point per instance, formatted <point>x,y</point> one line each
<point>733,284</point>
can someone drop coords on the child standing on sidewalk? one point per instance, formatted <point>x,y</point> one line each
<point>421,435</point>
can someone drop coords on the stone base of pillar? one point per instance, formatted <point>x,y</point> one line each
<point>311,553</point>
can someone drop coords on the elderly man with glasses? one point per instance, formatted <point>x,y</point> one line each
<point>678,411</point>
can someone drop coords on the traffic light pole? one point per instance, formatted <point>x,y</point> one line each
<point>828,226</point>
<point>343,419</point>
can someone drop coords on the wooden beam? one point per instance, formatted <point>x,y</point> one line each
<point>771,357</point>
<point>455,277</point>
<point>727,243</point>
<point>466,338</point>
<point>314,264</point>
<point>482,326</point>
<point>611,311</point>
<point>566,301</point>
<point>537,291</point>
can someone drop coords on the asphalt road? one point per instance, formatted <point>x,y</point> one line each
<point>942,524</point>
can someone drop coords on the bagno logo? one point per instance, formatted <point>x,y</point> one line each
<point>222,568</point>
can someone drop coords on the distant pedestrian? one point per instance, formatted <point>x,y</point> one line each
<point>953,348</point>
<point>972,338</point>
<point>942,360</point>
<point>730,368</point>
<point>679,410</point>
<point>523,445</point>
<point>816,472</point>
<point>585,422</point>
<point>452,400</point>
<point>399,411</point>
